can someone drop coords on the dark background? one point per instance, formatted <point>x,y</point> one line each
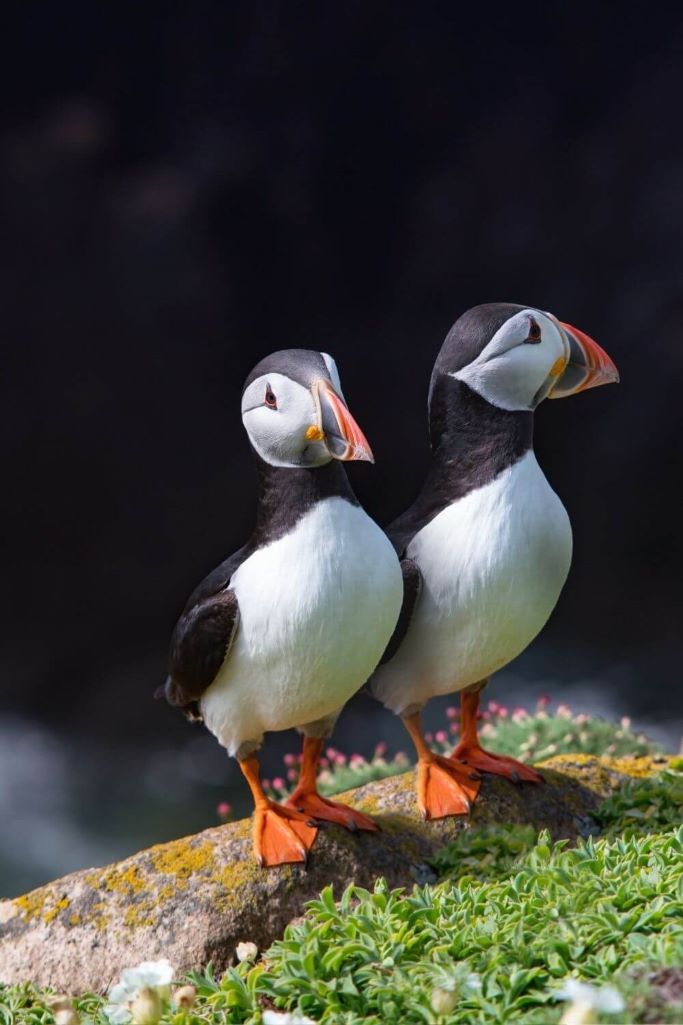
<point>185,188</point>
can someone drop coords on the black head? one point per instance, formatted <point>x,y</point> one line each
<point>295,414</point>
<point>515,356</point>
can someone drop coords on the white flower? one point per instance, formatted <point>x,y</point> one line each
<point>141,994</point>
<point>246,951</point>
<point>278,1018</point>
<point>586,1001</point>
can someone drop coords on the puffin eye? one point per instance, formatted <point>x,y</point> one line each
<point>534,335</point>
<point>270,399</point>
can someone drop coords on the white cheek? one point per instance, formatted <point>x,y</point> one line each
<point>279,435</point>
<point>513,380</point>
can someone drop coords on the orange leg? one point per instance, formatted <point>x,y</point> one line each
<point>280,834</point>
<point>307,799</point>
<point>470,751</point>
<point>443,786</point>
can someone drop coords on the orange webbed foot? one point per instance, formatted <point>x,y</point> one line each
<point>445,787</point>
<point>282,835</point>
<point>322,809</point>
<point>496,765</point>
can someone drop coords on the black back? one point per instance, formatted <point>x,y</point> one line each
<point>472,440</point>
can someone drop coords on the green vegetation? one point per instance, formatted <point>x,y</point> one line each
<point>512,917</point>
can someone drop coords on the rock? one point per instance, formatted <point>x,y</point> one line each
<point>193,900</point>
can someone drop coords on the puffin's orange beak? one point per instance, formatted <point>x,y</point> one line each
<point>588,365</point>
<point>336,427</point>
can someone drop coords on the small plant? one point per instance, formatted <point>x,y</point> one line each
<point>529,736</point>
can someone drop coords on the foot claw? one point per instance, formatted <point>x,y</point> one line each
<point>322,810</point>
<point>281,835</point>
<point>496,765</point>
<point>444,788</point>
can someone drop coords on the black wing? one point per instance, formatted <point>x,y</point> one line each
<point>202,637</point>
<point>412,587</point>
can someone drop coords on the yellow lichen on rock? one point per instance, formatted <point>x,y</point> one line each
<point>32,904</point>
<point>182,858</point>
<point>599,773</point>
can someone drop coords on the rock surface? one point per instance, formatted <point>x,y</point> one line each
<point>193,900</point>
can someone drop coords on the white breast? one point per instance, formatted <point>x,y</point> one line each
<point>493,566</point>
<point>317,608</point>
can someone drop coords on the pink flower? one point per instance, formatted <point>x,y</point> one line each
<point>340,759</point>
<point>543,701</point>
<point>455,727</point>
<point>324,763</point>
<point>519,713</point>
<point>223,810</point>
<point>331,753</point>
<point>441,736</point>
<point>356,759</point>
<point>429,737</point>
<point>502,712</point>
<point>278,783</point>
<point>452,713</point>
<point>266,784</point>
<point>625,722</point>
<point>292,774</point>
<point>484,715</point>
<point>380,749</point>
<point>493,706</point>
<point>289,759</point>
<point>564,712</point>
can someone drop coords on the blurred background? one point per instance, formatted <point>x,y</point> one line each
<point>186,187</point>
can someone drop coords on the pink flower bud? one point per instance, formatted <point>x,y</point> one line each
<point>266,784</point>
<point>331,753</point>
<point>429,737</point>
<point>292,775</point>
<point>441,736</point>
<point>289,759</point>
<point>380,749</point>
<point>455,727</point>
<point>493,706</point>
<point>452,713</point>
<point>278,783</point>
<point>502,711</point>
<point>324,763</point>
<point>340,759</point>
<point>223,810</point>
<point>543,701</point>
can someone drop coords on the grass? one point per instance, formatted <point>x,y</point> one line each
<point>512,917</point>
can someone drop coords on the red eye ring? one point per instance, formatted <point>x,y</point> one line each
<point>270,399</point>
<point>534,331</point>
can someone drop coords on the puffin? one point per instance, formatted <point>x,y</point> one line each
<point>485,548</point>
<point>292,624</point>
